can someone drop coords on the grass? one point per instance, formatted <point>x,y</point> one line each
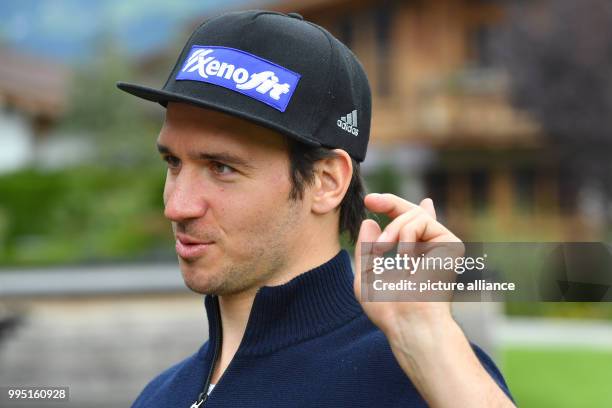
<point>558,377</point>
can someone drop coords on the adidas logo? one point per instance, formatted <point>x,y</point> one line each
<point>349,123</point>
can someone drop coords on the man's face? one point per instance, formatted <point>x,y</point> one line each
<point>227,195</point>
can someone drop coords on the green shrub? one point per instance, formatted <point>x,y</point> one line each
<point>81,214</point>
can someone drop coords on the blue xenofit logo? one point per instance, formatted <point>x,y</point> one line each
<point>241,72</point>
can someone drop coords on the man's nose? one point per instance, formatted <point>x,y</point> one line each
<point>184,199</point>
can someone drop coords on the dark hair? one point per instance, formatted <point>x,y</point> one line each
<point>302,159</point>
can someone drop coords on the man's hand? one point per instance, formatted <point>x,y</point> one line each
<point>410,223</point>
<point>425,340</point>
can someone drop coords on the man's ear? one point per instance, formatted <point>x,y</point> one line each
<point>332,179</point>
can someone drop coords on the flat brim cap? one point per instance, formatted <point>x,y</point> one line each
<point>277,71</point>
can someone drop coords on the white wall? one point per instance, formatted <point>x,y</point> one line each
<point>16,141</point>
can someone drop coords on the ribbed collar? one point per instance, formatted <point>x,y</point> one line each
<point>309,305</point>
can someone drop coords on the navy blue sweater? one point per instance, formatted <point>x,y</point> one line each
<point>307,343</point>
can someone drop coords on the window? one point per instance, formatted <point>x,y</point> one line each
<point>345,30</point>
<point>436,184</point>
<point>524,186</point>
<point>568,190</point>
<point>382,27</point>
<point>479,189</point>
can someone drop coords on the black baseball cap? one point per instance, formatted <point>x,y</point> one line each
<point>278,71</point>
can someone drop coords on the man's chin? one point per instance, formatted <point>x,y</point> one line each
<point>201,290</point>
<point>198,279</point>
<point>201,286</point>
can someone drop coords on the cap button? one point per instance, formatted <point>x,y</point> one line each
<point>295,15</point>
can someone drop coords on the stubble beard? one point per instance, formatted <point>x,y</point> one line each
<point>264,261</point>
<point>237,277</point>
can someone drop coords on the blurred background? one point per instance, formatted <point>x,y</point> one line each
<point>498,110</point>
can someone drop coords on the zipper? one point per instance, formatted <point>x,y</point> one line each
<point>203,396</point>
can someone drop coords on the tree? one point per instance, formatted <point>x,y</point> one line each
<point>559,58</point>
<point>122,131</point>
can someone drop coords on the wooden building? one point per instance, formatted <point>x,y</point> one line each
<point>437,89</point>
<point>33,98</point>
<point>442,117</point>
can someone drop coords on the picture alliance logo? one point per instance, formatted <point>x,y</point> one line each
<point>348,123</point>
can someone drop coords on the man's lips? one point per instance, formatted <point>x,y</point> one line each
<point>189,247</point>
<point>187,240</point>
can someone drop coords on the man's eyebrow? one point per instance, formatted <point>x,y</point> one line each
<point>223,157</point>
<point>163,149</point>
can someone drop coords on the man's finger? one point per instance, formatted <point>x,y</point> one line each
<point>425,229</point>
<point>388,204</point>
<point>391,231</point>
<point>368,233</point>
<point>428,205</point>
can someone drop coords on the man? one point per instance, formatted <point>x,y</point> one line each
<point>267,119</point>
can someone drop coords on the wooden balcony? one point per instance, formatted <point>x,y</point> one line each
<point>469,108</point>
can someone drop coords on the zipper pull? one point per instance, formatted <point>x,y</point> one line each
<point>200,400</point>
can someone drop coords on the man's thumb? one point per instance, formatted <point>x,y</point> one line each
<point>368,234</point>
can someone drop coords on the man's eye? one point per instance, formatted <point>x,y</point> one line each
<point>173,162</point>
<point>222,169</point>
